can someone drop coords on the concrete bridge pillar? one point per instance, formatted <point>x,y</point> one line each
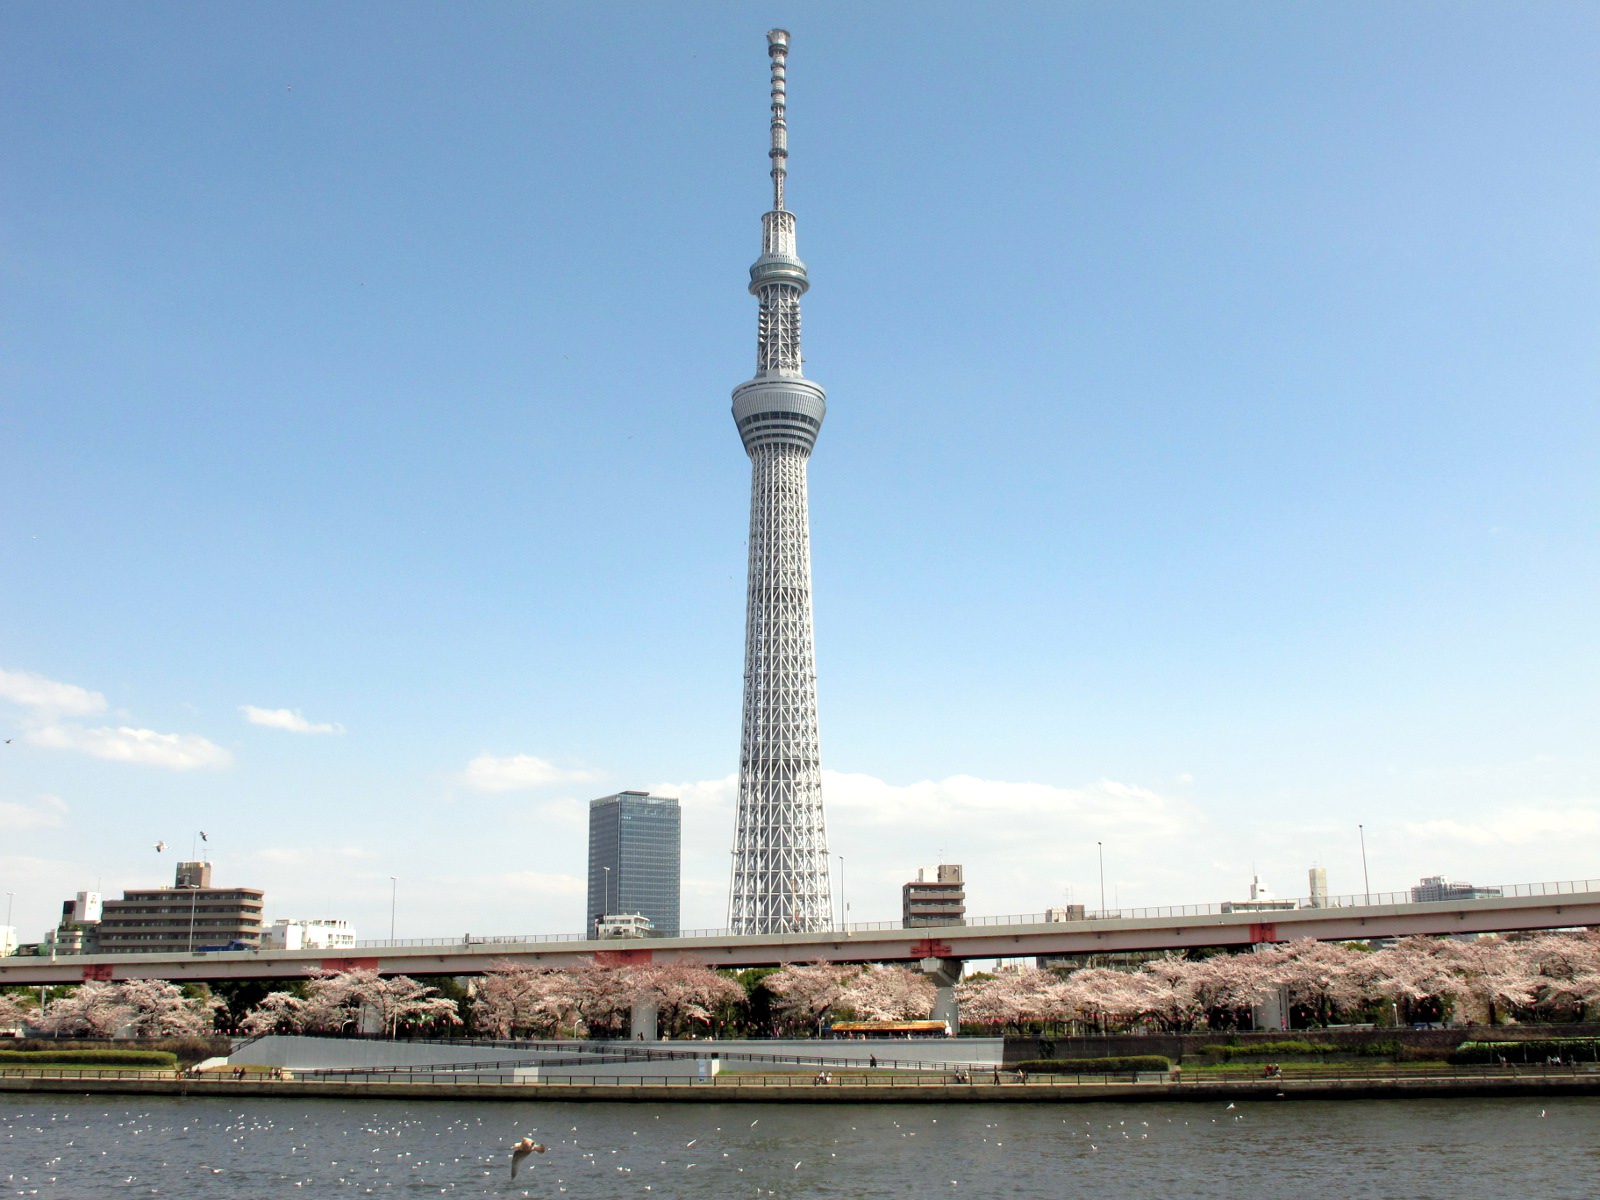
<point>643,1022</point>
<point>945,974</point>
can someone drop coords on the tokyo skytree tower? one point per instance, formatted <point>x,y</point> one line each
<point>780,847</point>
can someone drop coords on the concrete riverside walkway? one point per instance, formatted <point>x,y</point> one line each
<point>600,1061</point>
<point>849,1090</point>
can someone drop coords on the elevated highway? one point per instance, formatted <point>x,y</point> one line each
<point>1519,907</point>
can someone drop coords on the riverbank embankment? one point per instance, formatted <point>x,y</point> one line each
<point>1554,1081</point>
<point>1404,1043</point>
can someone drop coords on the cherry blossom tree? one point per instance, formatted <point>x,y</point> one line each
<point>1568,967</point>
<point>1320,977</point>
<point>887,992</point>
<point>92,1009</point>
<point>805,994</point>
<point>16,1011</point>
<point>517,1000</point>
<point>1476,981</point>
<point>278,1012</point>
<point>1172,991</point>
<point>362,999</point>
<point>1228,985</point>
<point>601,998</point>
<point>1493,976</point>
<point>1106,997</point>
<point>160,1009</point>
<point>1013,998</point>
<point>686,994</point>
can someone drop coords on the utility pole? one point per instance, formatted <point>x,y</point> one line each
<point>394,896</point>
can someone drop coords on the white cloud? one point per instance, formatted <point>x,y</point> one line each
<point>172,751</point>
<point>709,794</point>
<point>290,719</point>
<point>1520,826</point>
<point>518,772</point>
<point>35,691</point>
<point>46,814</point>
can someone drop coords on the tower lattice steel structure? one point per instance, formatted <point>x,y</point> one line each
<point>780,849</point>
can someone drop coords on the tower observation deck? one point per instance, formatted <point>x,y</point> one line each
<point>780,849</point>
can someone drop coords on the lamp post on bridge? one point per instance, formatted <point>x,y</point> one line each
<point>1366,883</point>
<point>394,896</point>
<point>844,909</point>
<point>1101,848</point>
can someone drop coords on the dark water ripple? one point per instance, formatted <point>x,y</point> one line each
<point>68,1147</point>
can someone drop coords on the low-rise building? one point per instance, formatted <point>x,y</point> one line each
<point>1434,889</point>
<point>934,897</point>
<point>191,915</point>
<point>622,925</point>
<point>1261,900</point>
<point>1067,912</point>
<point>328,933</point>
<point>78,930</point>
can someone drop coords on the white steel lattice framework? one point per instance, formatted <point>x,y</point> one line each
<point>780,849</point>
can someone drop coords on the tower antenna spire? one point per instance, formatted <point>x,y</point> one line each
<point>778,50</point>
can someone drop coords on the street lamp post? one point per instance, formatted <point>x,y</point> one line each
<point>844,909</point>
<point>10,899</point>
<point>1101,847</point>
<point>606,910</point>
<point>1365,882</point>
<point>394,896</point>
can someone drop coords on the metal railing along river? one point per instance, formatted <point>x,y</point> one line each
<point>481,1074</point>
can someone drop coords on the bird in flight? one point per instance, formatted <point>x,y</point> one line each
<point>521,1151</point>
<point>160,846</point>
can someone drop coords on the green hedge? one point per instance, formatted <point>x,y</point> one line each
<point>188,1049</point>
<point>1583,1049</point>
<point>1285,1049</point>
<point>89,1058</point>
<point>1095,1066</point>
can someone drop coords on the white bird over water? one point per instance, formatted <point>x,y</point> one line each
<point>521,1151</point>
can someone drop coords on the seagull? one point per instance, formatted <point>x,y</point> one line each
<point>521,1151</point>
<point>203,836</point>
<point>160,846</point>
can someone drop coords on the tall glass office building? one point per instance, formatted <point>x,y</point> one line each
<point>635,858</point>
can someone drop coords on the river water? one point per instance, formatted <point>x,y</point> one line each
<point>1466,1149</point>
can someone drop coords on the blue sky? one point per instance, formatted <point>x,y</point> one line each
<point>1211,463</point>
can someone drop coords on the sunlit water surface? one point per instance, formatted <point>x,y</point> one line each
<point>1461,1150</point>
